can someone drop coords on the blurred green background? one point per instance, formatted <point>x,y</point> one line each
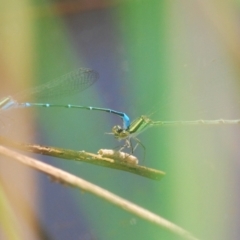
<point>169,60</point>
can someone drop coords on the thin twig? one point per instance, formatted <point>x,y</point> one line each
<point>87,157</point>
<point>74,181</point>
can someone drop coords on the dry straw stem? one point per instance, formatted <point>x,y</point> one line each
<point>69,179</point>
<point>87,157</point>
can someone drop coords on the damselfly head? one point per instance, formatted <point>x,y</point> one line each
<point>119,132</point>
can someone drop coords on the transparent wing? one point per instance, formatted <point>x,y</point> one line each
<point>66,85</point>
